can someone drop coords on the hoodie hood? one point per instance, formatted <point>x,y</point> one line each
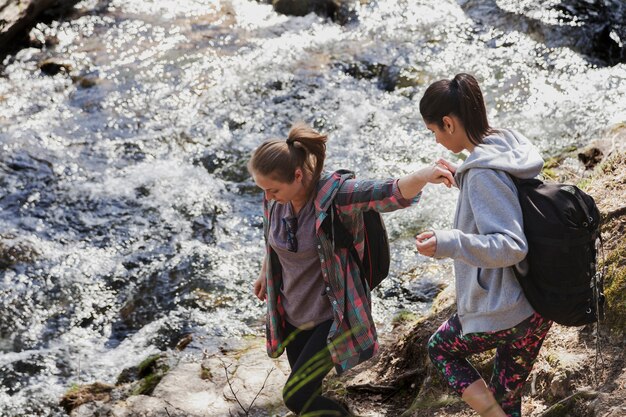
<point>505,150</point>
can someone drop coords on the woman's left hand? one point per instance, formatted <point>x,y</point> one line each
<point>426,243</point>
<point>441,174</point>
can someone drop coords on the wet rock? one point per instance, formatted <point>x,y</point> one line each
<point>325,8</point>
<point>230,165</point>
<point>208,300</point>
<point>362,70</point>
<point>143,378</point>
<point>85,81</point>
<point>79,395</point>
<point>53,66</point>
<point>423,290</point>
<point>339,11</point>
<point>388,77</point>
<point>204,388</point>
<point>603,27</point>
<point>184,342</point>
<point>13,252</point>
<point>18,16</point>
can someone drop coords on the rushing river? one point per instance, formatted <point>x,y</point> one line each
<point>127,217</point>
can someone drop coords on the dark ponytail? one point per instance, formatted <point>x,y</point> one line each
<point>278,159</point>
<point>460,97</point>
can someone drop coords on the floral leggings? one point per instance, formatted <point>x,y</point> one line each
<point>516,351</point>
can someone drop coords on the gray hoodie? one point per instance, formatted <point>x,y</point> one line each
<point>488,237</point>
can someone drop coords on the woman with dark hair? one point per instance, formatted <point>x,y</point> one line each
<point>317,307</point>
<point>486,242</point>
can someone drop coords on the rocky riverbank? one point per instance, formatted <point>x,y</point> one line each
<point>580,372</point>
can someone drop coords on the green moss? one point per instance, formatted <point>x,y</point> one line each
<point>404,316</point>
<point>205,373</point>
<point>549,173</point>
<point>151,370</point>
<point>615,288</point>
<point>148,364</point>
<point>148,384</point>
<point>552,162</point>
<point>73,389</point>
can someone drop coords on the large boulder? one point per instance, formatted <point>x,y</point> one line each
<point>18,16</point>
<point>594,28</point>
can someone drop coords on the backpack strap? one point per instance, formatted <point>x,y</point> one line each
<point>341,236</point>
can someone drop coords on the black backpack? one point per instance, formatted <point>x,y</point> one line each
<point>376,257</point>
<point>561,224</point>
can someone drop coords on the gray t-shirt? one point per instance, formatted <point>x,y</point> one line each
<point>303,290</point>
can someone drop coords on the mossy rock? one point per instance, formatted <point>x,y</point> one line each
<point>145,376</point>
<point>147,385</point>
<point>82,394</point>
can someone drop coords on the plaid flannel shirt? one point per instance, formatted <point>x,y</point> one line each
<point>352,338</point>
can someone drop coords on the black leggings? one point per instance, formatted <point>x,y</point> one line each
<point>310,361</point>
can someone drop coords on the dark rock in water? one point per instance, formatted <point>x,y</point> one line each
<point>326,8</point>
<point>229,165</point>
<point>18,16</point>
<point>362,70</point>
<point>603,27</point>
<point>423,290</point>
<point>85,81</point>
<point>594,28</point>
<point>12,253</point>
<point>15,375</point>
<point>339,11</point>
<point>184,342</point>
<point>53,66</point>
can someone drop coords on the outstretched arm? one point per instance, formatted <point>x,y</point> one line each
<point>391,194</point>
<point>410,185</point>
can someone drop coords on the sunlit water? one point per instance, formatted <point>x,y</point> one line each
<point>124,197</point>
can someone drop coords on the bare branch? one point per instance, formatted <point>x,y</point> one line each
<point>262,387</point>
<point>230,385</point>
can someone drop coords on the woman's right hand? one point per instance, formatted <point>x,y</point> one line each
<point>448,165</point>
<point>259,287</point>
<point>426,243</point>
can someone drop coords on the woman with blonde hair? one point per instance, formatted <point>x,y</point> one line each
<point>318,310</point>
